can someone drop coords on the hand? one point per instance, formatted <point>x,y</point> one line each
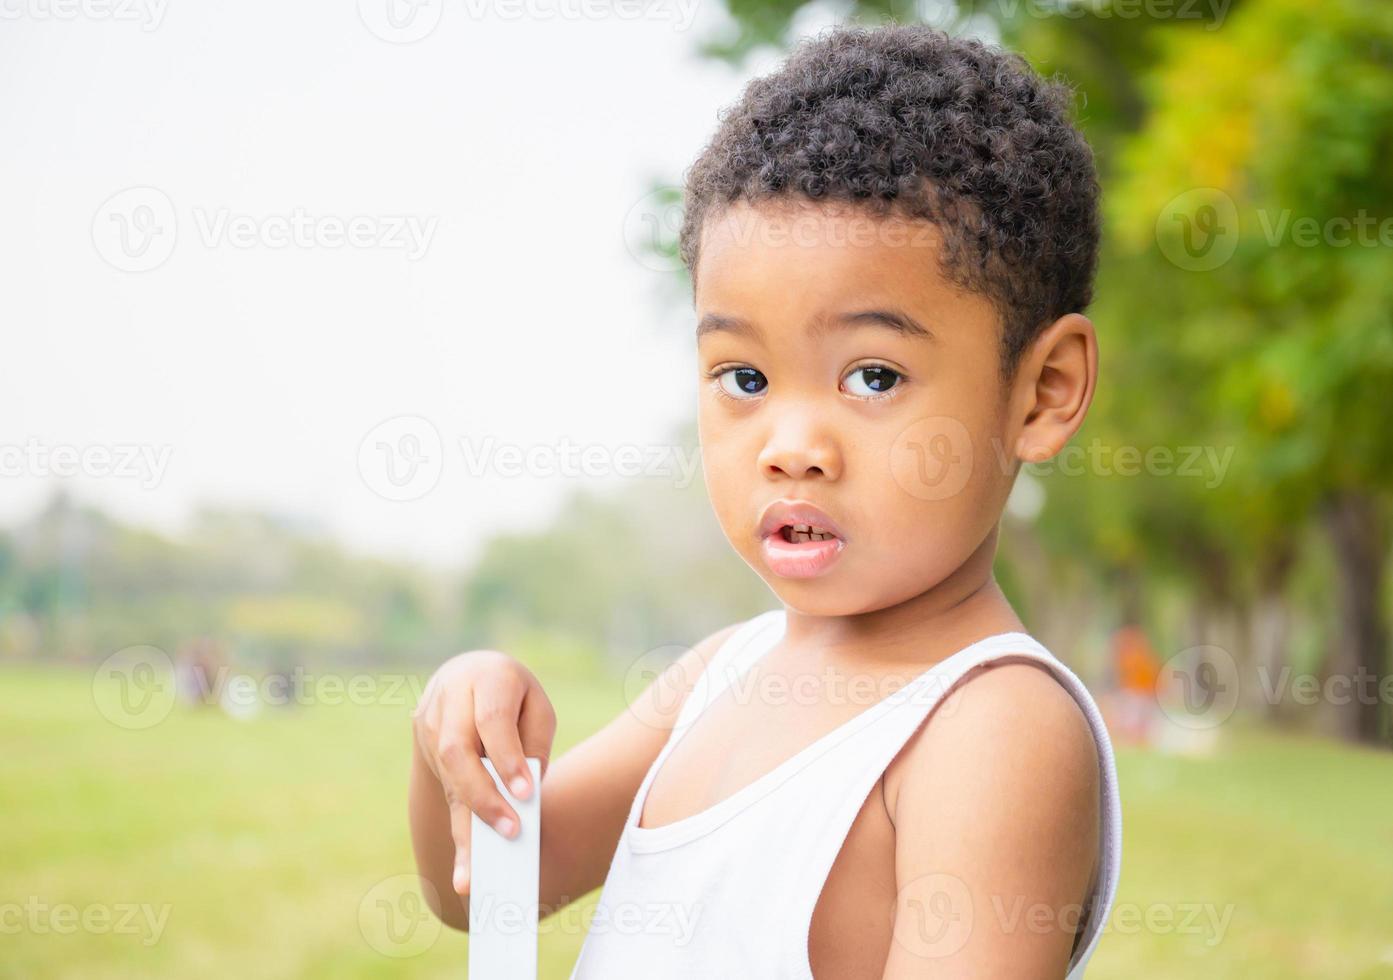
<point>482,703</point>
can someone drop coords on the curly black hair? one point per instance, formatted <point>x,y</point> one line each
<point>909,120</point>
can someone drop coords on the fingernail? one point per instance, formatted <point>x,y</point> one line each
<point>519,787</point>
<point>505,826</point>
<point>461,877</point>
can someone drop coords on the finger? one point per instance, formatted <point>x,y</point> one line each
<point>426,728</point>
<point>460,820</point>
<point>496,712</point>
<point>537,729</point>
<point>464,774</point>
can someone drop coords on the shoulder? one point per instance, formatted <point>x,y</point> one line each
<point>661,701</point>
<point>1005,715</point>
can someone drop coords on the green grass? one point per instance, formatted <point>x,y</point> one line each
<point>269,841</point>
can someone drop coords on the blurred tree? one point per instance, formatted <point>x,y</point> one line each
<point>1259,196</point>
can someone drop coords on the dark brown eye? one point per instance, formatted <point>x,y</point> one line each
<point>744,382</point>
<point>872,380</point>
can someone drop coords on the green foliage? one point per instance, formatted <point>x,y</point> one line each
<point>81,586</point>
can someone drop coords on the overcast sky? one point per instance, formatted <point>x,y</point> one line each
<point>264,253</point>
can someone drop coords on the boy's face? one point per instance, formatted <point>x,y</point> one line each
<point>902,439</point>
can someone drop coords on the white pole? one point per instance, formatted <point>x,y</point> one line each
<point>503,895</point>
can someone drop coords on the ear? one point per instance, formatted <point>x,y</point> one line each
<point>1054,386</point>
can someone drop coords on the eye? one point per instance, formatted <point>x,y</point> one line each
<point>742,382</point>
<point>871,380</point>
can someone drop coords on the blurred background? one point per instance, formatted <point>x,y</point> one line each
<point>341,339</point>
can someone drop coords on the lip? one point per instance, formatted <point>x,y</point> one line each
<point>804,559</point>
<point>781,512</point>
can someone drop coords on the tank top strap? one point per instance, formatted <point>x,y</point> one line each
<point>746,644</point>
<point>860,763</point>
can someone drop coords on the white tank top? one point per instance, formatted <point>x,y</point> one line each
<point>691,899</point>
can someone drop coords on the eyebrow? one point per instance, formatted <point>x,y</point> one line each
<point>896,320</point>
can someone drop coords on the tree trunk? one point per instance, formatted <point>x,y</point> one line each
<point>1271,624</point>
<point>1358,536</point>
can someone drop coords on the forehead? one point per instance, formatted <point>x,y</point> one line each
<point>783,256</point>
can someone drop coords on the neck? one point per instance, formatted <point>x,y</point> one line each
<point>962,608</point>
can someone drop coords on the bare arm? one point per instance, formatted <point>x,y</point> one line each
<point>492,706</point>
<point>996,831</point>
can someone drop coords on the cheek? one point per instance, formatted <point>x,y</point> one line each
<point>936,489</point>
<point>725,469</point>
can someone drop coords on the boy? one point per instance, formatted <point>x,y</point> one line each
<point>891,242</point>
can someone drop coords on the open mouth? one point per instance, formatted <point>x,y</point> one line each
<point>800,533</point>
<point>801,550</point>
<point>797,539</point>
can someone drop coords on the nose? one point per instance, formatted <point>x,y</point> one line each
<point>799,449</point>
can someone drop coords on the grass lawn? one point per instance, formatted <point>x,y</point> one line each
<point>269,848</point>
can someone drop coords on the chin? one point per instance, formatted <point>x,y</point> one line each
<point>822,596</point>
